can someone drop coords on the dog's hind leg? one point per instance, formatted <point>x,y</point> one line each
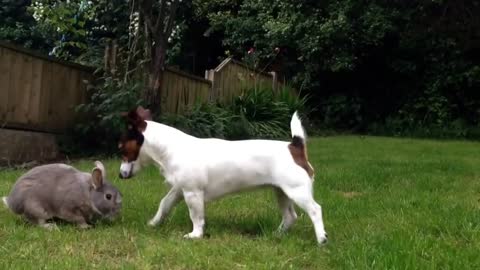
<point>303,197</point>
<point>166,204</point>
<point>196,207</point>
<point>288,210</point>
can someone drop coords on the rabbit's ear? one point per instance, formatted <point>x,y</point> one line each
<point>97,178</point>
<point>99,165</point>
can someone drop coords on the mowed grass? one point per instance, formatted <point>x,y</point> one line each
<point>388,204</point>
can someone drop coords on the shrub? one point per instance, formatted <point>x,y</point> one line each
<point>294,101</point>
<point>99,123</point>
<point>257,113</point>
<point>342,112</point>
<point>202,120</point>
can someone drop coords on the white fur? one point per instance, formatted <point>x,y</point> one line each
<point>296,127</point>
<point>201,170</point>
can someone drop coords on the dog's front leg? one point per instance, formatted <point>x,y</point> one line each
<point>196,204</point>
<point>170,200</point>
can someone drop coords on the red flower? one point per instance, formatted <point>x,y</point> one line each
<point>252,50</point>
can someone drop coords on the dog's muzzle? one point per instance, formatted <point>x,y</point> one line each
<point>126,169</point>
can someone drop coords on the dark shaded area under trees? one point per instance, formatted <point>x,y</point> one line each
<point>382,67</point>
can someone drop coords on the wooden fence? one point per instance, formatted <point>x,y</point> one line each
<point>37,92</point>
<point>232,77</point>
<point>181,90</point>
<point>40,93</point>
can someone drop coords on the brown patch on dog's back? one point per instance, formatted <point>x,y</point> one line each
<point>299,153</point>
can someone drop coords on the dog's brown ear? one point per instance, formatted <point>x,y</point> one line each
<point>136,118</point>
<point>148,115</point>
<point>144,114</point>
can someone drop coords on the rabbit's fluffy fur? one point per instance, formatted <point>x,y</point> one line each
<point>61,191</point>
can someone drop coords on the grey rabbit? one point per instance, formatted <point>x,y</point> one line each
<point>61,191</point>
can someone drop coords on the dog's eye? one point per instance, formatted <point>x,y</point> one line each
<point>108,196</point>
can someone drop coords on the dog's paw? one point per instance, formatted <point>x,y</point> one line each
<point>192,235</point>
<point>280,231</point>
<point>323,240</point>
<point>152,223</point>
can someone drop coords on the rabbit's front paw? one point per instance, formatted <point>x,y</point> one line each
<point>49,226</point>
<point>84,226</point>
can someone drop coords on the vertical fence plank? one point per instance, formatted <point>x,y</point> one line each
<point>25,89</point>
<point>72,96</point>
<point>35,104</point>
<point>5,64</point>
<point>53,113</point>
<point>170,92</point>
<point>15,91</point>
<point>44,94</point>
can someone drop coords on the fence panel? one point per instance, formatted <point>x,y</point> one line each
<point>39,93</point>
<point>232,77</point>
<point>181,90</point>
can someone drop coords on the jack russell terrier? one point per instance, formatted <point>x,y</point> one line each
<point>201,170</point>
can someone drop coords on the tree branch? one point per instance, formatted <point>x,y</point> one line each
<point>161,15</point>
<point>131,42</point>
<point>171,19</point>
<point>148,43</point>
<point>146,8</point>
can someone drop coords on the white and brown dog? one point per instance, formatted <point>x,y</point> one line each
<point>201,170</point>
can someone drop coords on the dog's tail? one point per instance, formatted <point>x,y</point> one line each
<point>298,133</point>
<point>298,147</point>
<point>5,201</point>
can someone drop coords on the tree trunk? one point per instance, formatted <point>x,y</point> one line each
<point>153,91</point>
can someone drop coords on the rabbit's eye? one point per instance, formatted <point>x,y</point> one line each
<point>108,196</point>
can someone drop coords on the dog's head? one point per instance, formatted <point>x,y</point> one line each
<point>132,140</point>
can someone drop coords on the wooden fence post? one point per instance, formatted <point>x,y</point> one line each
<point>274,80</point>
<point>211,75</point>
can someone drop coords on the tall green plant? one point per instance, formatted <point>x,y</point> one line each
<point>202,120</point>
<point>99,122</point>
<point>294,101</point>
<point>265,116</point>
<point>257,113</point>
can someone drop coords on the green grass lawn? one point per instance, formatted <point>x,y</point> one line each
<point>388,204</point>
